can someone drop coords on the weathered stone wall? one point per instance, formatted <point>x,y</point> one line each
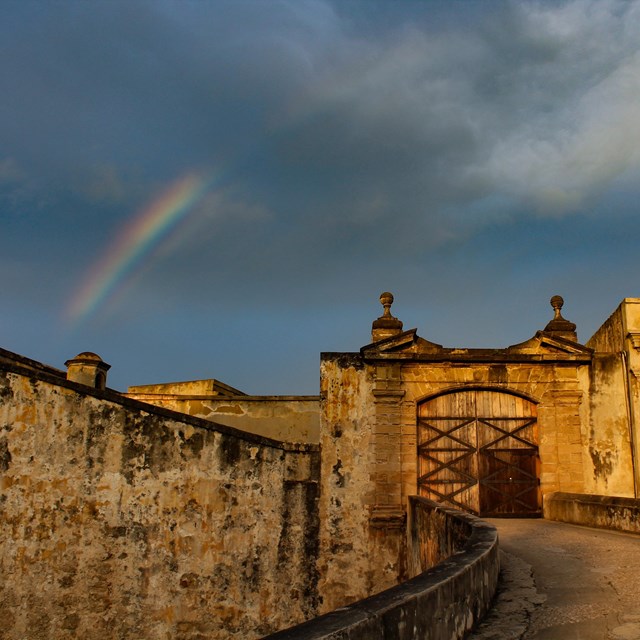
<point>442,603</point>
<point>435,534</point>
<point>606,512</point>
<point>608,466</point>
<point>10,358</point>
<point>356,558</point>
<point>122,520</point>
<point>614,446</point>
<point>609,338</point>
<point>286,418</point>
<point>208,387</point>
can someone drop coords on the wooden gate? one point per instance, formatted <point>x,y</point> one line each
<point>478,450</point>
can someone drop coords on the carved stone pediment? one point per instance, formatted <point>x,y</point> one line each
<point>407,342</point>
<point>409,346</point>
<point>547,343</point>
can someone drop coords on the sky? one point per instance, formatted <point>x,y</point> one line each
<point>222,189</point>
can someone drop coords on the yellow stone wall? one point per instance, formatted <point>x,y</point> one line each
<point>286,418</point>
<point>346,568</point>
<point>122,520</point>
<point>615,402</point>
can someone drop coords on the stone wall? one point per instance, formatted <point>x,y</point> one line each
<point>609,463</point>
<point>443,602</point>
<point>615,403</point>
<point>286,418</point>
<point>605,512</point>
<point>119,519</point>
<point>435,533</point>
<point>356,559</point>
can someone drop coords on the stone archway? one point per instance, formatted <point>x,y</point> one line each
<point>478,451</point>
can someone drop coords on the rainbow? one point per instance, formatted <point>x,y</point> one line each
<point>136,239</point>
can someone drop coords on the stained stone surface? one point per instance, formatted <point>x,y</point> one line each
<point>123,520</point>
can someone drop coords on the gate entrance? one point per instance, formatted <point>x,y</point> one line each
<point>478,451</point>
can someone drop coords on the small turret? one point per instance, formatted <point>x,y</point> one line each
<point>88,368</point>
<point>386,325</point>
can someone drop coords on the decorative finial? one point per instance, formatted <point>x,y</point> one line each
<point>559,326</point>
<point>386,299</point>
<point>386,325</point>
<point>557,303</point>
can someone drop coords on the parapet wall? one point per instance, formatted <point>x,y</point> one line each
<point>123,520</point>
<point>605,512</point>
<point>442,603</point>
<point>286,418</point>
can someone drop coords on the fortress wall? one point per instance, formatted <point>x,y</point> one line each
<point>614,445</point>
<point>609,465</point>
<point>609,338</point>
<point>357,559</point>
<point>286,418</point>
<point>122,520</point>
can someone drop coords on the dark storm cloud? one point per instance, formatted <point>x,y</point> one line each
<point>355,146</point>
<point>405,124</point>
<point>417,139</point>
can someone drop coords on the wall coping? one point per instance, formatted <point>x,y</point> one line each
<point>9,357</point>
<point>220,398</point>
<point>595,499</point>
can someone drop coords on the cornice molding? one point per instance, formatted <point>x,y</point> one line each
<point>634,338</point>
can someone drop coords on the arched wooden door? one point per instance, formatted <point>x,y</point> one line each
<point>478,451</point>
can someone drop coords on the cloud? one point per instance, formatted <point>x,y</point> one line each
<point>106,185</point>
<point>348,134</point>
<point>463,155</point>
<point>582,129</point>
<point>10,172</point>
<point>379,124</point>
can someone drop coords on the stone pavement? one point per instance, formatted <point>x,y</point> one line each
<point>564,582</point>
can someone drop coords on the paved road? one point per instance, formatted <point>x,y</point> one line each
<point>564,582</point>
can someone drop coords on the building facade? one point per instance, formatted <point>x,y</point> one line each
<point>309,490</point>
<point>489,431</point>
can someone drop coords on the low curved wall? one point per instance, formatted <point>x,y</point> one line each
<point>442,602</point>
<point>607,512</point>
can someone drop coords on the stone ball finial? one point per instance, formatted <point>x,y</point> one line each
<point>386,325</point>
<point>386,299</point>
<point>557,302</point>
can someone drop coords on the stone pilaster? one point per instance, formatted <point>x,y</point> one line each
<point>386,449</point>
